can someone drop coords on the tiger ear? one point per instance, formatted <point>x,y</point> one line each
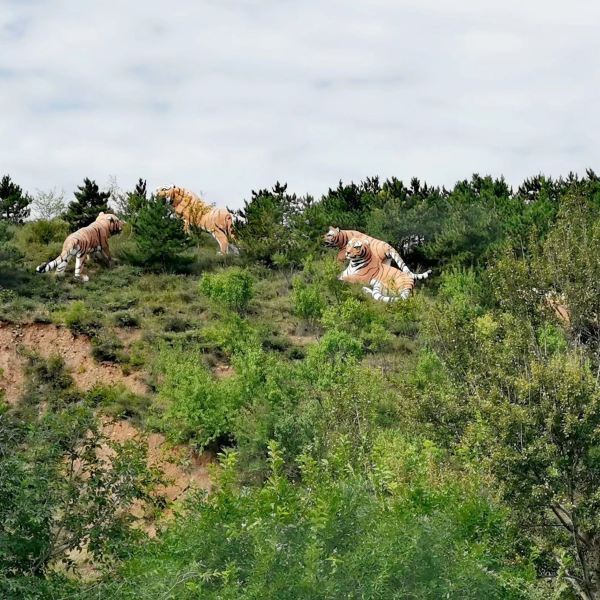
<point>337,229</point>
<point>357,244</point>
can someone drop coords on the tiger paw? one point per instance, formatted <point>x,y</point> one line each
<point>367,290</point>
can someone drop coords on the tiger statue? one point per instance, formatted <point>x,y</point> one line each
<point>195,212</point>
<point>387,283</point>
<point>380,250</point>
<point>90,239</point>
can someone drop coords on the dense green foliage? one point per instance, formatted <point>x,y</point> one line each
<point>232,289</point>
<point>57,492</point>
<point>14,204</point>
<point>159,238</point>
<point>443,447</point>
<point>89,201</point>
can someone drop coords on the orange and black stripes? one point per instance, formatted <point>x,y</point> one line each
<point>82,243</point>
<point>197,213</point>
<point>380,250</point>
<point>384,283</point>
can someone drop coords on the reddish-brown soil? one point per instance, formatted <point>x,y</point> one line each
<point>48,340</point>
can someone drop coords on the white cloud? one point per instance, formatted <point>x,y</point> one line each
<point>226,96</point>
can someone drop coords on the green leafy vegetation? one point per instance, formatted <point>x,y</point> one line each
<point>231,288</point>
<point>446,446</point>
<point>89,202</point>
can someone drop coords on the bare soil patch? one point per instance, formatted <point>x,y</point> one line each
<point>48,340</point>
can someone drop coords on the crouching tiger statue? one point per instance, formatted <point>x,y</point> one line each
<point>381,251</point>
<point>195,212</point>
<point>387,283</point>
<point>82,243</point>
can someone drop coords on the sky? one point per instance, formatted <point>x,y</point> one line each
<point>227,96</point>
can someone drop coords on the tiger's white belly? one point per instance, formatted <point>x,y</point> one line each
<point>351,269</point>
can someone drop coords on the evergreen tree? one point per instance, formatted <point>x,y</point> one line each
<point>276,228</point>
<point>159,234</point>
<point>14,204</point>
<point>89,201</point>
<point>135,201</point>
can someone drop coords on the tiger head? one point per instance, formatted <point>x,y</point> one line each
<point>169,193</point>
<point>115,225</point>
<point>331,238</point>
<point>358,249</point>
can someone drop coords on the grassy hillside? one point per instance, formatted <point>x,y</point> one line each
<point>446,446</point>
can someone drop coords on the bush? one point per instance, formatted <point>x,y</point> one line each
<point>80,319</point>
<point>159,235</point>
<point>330,536</point>
<point>59,494</point>
<point>119,402</point>
<point>198,408</point>
<point>308,300</point>
<point>107,348</point>
<point>231,288</point>
<point>44,232</point>
<point>335,345</point>
<point>126,319</point>
<point>361,320</point>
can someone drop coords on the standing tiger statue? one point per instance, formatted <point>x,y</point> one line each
<point>386,283</point>
<point>381,251</point>
<point>92,239</point>
<point>195,212</point>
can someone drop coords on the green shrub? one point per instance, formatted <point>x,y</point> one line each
<point>308,300</point>
<point>126,319</point>
<point>159,235</point>
<point>198,408</point>
<point>57,492</point>
<point>336,344</point>
<point>329,536</point>
<point>176,324</point>
<point>361,320</point>
<point>107,348</point>
<point>80,319</point>
<point>44,232</point>
<point>119,402</point>
<point>232,288</point>
<point>352,315</point>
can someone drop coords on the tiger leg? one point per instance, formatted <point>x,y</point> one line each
<point>221,239</point>
<point>80,260</point>
<point>60,268</point>
<point>378,294</point>
<point>105,251</point>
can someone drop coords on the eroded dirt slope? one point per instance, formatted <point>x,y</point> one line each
<point>48,340</point>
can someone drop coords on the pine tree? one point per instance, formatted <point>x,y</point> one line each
<point>272,227</point>
<point>159,234</point>
<point>89,201</point>
<point>14,205</point>
<point>135,201</point>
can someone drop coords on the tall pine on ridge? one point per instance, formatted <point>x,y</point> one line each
<point>89,202</point>
<point>14,204</point>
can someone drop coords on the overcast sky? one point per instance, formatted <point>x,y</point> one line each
<point>226,96</point>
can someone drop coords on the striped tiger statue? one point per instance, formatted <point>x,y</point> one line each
<point>386,283</point>
<point>197,213</point>
<point>85,241</point>
<point>380,250</point>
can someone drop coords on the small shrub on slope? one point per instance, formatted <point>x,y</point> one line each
<point>232,288</point>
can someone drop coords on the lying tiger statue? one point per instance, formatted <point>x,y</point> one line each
<point>195,212</point>
<point>388,283</point>
<point>82,243</point>
<point>381,251</point>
